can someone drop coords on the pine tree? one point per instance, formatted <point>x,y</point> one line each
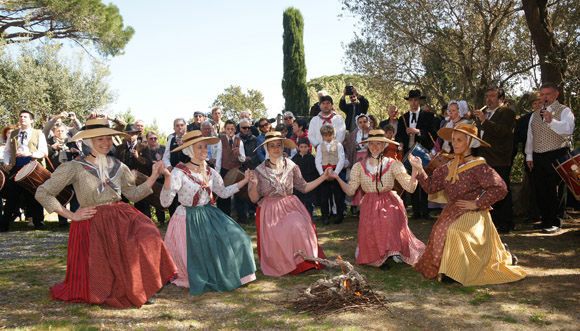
<point>294,81</point>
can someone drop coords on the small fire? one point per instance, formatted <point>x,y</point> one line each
<point>339,258</point>
<point>357,293</point>
<point>346,284</point>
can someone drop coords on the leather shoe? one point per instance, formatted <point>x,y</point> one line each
<point>325,220</point>
<point>552,229</point>
<point>338,220</point>
<point>540,226</point>
<point>385,267</point>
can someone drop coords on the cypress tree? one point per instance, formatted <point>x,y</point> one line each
<point>294,81</point>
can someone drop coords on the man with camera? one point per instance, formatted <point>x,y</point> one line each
<point>358,105</point>
<point>72,129</point>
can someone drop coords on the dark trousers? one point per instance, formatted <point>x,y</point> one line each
<point>242,208</point>
<point>420,202</point>
<point>503,212</point>
<point>306,199</point>
<point>327,190</point>
<point>224,205</point>
<point>33,207</point>
<point>533,211</point>
<point>550,189</point>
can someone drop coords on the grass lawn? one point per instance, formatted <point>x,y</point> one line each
<point>549,298</point>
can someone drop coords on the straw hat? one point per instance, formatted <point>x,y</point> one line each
<point>468,129</point>
<point>97,127</point>
<point>193,137</point>
<point>276,135</point>
<point>378,135</point>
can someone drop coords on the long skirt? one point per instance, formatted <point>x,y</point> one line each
<point>212,252</point>
<point>466,247</point>
<point>383,231</point>
<point>285,226</point>
<point>117,258</point>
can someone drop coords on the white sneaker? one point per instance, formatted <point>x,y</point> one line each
<point>397,258</point>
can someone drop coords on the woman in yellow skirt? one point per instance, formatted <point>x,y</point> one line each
<point>464,244</point>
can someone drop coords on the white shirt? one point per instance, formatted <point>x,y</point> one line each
<point>564,127</point>
<point>167,154</point>
<point>337,122</point>
<point>411,123</point>
<point>318,159</point>
<point>218,157</point>
<point>23,146</point>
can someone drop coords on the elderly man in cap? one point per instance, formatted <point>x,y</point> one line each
<point>198,118</point>
<point>24,145</point>
<point>416,126</point>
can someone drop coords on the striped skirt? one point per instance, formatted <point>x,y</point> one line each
<point>117,258</point>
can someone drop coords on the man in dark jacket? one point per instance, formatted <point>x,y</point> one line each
<point>358,105</point>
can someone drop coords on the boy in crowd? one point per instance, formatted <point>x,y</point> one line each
<point>232,156</point>
<point>393,151</point>
<point>305,161</point>
<point>330,154</point>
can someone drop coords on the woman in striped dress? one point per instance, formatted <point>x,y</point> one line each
<point>464,245</point>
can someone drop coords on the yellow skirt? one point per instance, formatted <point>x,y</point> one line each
<point>474,255</point>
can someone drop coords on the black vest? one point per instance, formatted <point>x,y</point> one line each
<point>176,157</point>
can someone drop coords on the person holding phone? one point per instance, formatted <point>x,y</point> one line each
<point>358,105</point>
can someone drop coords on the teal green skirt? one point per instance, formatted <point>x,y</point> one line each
<point>219,251</point>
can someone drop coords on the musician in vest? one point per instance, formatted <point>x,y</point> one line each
<point>496,126</point>
<point>417,126</point>
<point>170,160</point>
<point>549,138</point>
<point>330,154</point>
<point>26,144</point>
<point>327,115</point>
<point>232,156</point>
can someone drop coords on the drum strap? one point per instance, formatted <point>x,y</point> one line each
<point>93,171</point>
<point>204,186</point>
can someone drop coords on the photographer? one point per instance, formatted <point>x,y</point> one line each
<point>74,127</point>
<point>358,105</point>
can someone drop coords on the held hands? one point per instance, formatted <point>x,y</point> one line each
<point>251,175</point>
<point>84,214</point>
<point>247,175</point>
<point>467,204</point>
<point>416,163</point>
<point>329,174</point>
<point>159,169</point>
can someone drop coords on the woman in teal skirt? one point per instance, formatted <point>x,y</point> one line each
<point>211,251</point>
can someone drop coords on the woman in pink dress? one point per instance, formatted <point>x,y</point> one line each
<point>283,223</point>
<point>383,231</point>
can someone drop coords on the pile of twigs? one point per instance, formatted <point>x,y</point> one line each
<point>346,292</point>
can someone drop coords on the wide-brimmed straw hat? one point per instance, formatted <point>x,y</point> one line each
<point>277,135</point>
<point>468,129</point>
<point>193,137</point>
<point>97,127</point>
<point>378,135</point>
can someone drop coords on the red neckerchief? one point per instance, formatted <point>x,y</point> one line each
<point>204,186</point>
<point>327,119</point>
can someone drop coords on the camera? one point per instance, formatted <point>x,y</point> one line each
<point>348,89</point>
<point>71,114</point>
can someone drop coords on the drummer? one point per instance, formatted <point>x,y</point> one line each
<point>24,145</point>
<point>116,255</point>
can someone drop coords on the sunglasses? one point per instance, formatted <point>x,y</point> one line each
<point>265,124</point>
<point>245,127</point>
<point>287,118</point>
<point>152,138</point>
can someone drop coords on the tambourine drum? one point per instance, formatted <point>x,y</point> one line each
<point>32,175</point>
<point>437,161</point>
<point>568,167</point>
<point>233,176</point>
<point>153,198</point>
<point>416,150</point>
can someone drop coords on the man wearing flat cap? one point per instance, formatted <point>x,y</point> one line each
<point>417,126</point>
<point>198,118</point>
<point>24,145</point>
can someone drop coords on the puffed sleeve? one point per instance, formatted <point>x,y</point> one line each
<point>299,182</point>
<point>401,175</point>
<point>166,197</point>
<point>355,179</point>
<point>217,186</point>
<point>435,183</point>
<point>46,193</point>
<point>128,188</point>
<point>494,187</point>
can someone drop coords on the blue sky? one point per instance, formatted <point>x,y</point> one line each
<point>185,53</point>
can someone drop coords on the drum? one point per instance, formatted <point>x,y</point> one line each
<point>153,198</point>
<point>568,167</point>
<point>437,161</point>
<point>32,175</point>
<point>233,176</point>
<point>421,152</point>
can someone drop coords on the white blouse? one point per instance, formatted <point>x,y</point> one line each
<point>188,189</point>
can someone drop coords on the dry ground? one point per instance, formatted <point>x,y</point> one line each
<point>549,298</point>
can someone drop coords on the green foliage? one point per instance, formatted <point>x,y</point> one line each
<point>380,98</point>
<point>82,21</point>
<point>128,117</point>
<point>294,80</point>
<point>233,101</point>
<point>41,80</point>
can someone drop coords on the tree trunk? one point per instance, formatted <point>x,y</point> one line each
<point>552,58</point>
